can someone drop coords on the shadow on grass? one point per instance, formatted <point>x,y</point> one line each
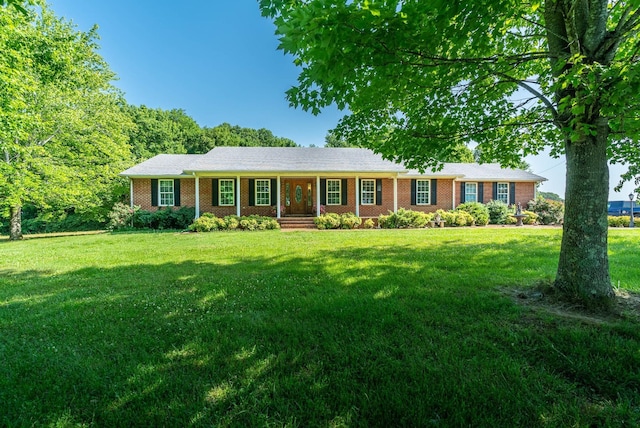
<point>365,336</point>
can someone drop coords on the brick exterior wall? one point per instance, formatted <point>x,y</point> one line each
<point>525,191</point>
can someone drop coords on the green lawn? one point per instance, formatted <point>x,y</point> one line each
<point>341,328</point>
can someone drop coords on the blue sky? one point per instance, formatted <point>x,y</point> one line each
<point>218,61</point>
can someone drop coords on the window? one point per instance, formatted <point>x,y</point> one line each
<point>471,192</point>
<point>226,192</point>
<point>368,194</point>
<point>334,192</point>
<point>503,193</point>
<point>166,193</point>
<point>422,192</point>
<point>263,192</point>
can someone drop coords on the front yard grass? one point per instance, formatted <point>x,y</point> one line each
<point>349,328</point>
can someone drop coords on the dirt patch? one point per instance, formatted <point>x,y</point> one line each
<point>625,305</point>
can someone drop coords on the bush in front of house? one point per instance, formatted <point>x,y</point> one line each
<point>350,221</point>
<point>121,216</point>
<point>456,218</point>
<point>369,224</point>
<point>404,219</point>
<point>478,211</point>
<point>327,221</point>
<point>208,222</point>
<point>548,211</point>
<point>164,218</point>
<point>498,212</point>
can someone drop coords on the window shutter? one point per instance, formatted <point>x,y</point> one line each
<point>252,192</point>
<point>214,192</point>
<point>495,190</point>
<point>176,193</point>
<point>379,191</point>
<point>434,192</point>
<point>344,191</point>
<point>323,191</point>
<point>413,191</point>
<point>462,195</point>
<point>154,192</point>
<point>512,193</point>
<point>481,192</point>
<point>274,192</point>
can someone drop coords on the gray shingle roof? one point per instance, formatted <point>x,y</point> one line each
<point>309,160</point>
<point>292,159</point>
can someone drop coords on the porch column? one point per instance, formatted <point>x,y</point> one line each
<point>197,197</point>
<point>318,196</point>
<point>278,213</point>
<point>395,194</point>
<point>238,196</point>
<point>453,193</point>
<point>131,192</point>
<point>357,196</point>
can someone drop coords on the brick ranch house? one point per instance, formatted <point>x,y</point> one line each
<point>297,181</point>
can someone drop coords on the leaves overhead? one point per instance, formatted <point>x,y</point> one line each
<point>417,77</point>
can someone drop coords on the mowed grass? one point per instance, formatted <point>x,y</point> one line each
<point>338,328</point>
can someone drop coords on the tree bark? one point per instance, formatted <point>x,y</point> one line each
<point>583,270</point>
<point>15,223</point>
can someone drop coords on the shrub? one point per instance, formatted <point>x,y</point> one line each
<point>403,219</point>
<point>498,212</point>
<point>327,221</point>
<point>232,222</point>
<point>121,216</point>
<point>548,211</point>
<point>619,221</point>
<point>206,223</point>
<point>369,224</point>
<point>350,221</point>
<point>531,217</point>
<point>479,212</point>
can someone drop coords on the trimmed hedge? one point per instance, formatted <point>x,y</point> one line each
<point>208,222</point>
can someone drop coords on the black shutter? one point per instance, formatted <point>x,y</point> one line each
<point>413,191</point>
<point>512,193</point>
<point>495,191</point>
<point>462,195</point>
<point>344,191</point>
<point>252,192</point>
<point>154,192</point>
<point>434,192</point>
<point>323,191</point>
<point>379,191</point>
<point>274,192</point>
<point>214,192</point>
<point>481,192</point>
<point>176,193</point>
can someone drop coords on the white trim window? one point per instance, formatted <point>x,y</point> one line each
<point>226,192</point>
<point>471,192</point>
<point>165,193</point>
<point>263,192</point>
<point>334,192</point>
<point>503,192</point>
<point>368,192</point>
<point>423,191</point>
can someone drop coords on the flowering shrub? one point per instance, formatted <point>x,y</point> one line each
<point>323,209</point>
<point>547,211</point>
<point>121,216</point>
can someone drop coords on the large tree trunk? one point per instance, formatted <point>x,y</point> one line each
<point>583,271</point>
<point>15,223</point>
